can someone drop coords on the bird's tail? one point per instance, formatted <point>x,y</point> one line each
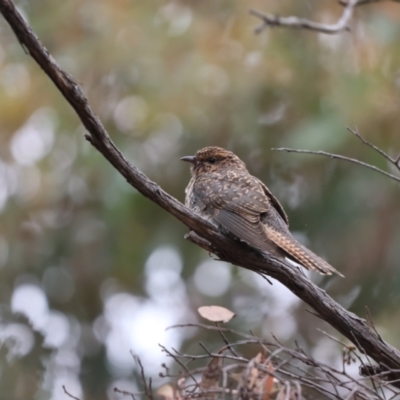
<point>299,253</point>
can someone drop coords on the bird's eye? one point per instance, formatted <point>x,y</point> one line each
<point>212,160</point>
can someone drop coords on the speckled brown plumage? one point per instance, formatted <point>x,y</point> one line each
<point>222,190</point>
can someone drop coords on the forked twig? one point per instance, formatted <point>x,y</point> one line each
<point>288,374</point>
<point>297,23</point>
<point>126,393</point>
<point>394,161</point>
<point>339,157</point>
<point>365,2</point>
<point>187,370</point>
<point>147,387</point>
<point>224,338</point>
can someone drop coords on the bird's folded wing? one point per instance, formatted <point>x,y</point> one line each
<point>247,228</point>
<point>275,202</point>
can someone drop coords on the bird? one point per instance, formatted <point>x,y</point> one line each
<point>222,190</point>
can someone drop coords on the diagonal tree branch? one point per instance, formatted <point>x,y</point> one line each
<point>206,234</point>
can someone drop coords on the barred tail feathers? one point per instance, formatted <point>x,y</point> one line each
<point>299,253</point>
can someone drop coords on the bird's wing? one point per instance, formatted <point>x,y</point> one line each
<point>245,228</point>
<point>275,202</point>
<point>236,202</point>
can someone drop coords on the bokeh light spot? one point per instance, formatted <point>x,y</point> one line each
<point>212,278</point>
<point>56,330</point>
<point>178,16</point>
<point>18,339</point>
<point>129,113</point>
<point>35,139</point>
<point>30,300</point>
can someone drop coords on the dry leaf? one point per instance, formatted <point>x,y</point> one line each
<point>181,383</point>
<point>166,391</point>
<point>270,383</point>
<point>216,313</point>
<point>254,371</point>
<point>252,379</point>
<point>211,375</point>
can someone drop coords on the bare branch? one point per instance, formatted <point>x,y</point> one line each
<point>297,23</point>
<point>147,387</point>
<point>177,358</point>
<point>125,393</point>
<point>229,347</point>
<point>365,2</point>
<point>226,248</point>
<point>275,369</point>
<point>339,157</point>
<point>393,161</point>
<point>203,243</point>
<point>69,394</point>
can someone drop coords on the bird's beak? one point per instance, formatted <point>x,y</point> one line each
<point>191,159</point>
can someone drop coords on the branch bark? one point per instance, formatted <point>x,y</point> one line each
<point>294,22</point>
<point>206,234</point>
<point>366,2</point>
<point>297,23</point>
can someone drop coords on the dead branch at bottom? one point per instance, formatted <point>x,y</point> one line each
<point>273,372</point>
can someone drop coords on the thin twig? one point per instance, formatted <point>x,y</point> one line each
<point>147,388</point>
<point>371,323</point>
<point>365,2</point>
<point>332,338</point>
<point>284,367</point>
<point>212,328</point>
<point>361,349</point>
<point>303,357</point>
<point>338,157</point>
<point>231,349</point>
<point>356,133</point>
<point>265,277</point>
<point>314,313</point>
<point>69,394</point>
<point>125,393</point>
<point>187,370</point>
<point>297,23</point>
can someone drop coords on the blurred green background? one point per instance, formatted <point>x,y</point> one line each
<point>96,270</point>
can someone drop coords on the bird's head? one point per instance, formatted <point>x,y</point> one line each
<point>210,159</point>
